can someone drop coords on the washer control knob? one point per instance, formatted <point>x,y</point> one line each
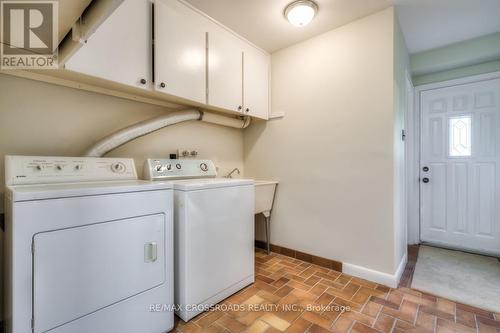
<point>159,168</point>
<point>204,167</point>
<point>78,167</point>
<point>38,167</point>
<point>59,167</point>
<point>118,167</point>
<point>178,166</point>
<point>168,167</point>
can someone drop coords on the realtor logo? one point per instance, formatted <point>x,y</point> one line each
<point>29,34</point>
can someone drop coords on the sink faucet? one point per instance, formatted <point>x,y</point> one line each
<point>230,175</point>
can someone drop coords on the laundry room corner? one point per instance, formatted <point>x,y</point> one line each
<point>249,166</point>
<point>61,121</point>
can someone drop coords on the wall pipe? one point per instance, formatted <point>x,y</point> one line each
<point>142,128</point>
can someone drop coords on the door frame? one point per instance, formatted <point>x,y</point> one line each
<point>414,148</point>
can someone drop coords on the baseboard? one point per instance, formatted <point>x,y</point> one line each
<point>260,244</point>
<point>320,261</point>
<point>390,280</point>
<point>401,269</point>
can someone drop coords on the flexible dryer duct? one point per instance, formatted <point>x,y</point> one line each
<point>132,132</point>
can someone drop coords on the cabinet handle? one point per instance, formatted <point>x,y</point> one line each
<point>240,108</point>
<point>163,85</point>
<point>143,81</point>
<point>247,110</point>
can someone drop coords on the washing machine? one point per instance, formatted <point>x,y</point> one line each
<point>213,232</point>
<point>89,247</point>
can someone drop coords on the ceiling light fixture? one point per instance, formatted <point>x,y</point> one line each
<point>301,12</point>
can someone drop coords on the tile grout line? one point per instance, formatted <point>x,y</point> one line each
<point>476,322</point>
<point>393,326</point>
<point>351,326</point>
<point>378,314</point>
<point>435,324</point>
<point>416,315</point>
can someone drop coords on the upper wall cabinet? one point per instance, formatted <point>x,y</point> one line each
<point>225,69</point>
<point>180,50</point>
<point>173,52</point>
<point>120,50</point>
<point>256,66</point>
<point>238,74</point>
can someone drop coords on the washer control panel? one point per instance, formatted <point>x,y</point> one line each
<point>21,170</point>
<point>166,169</point>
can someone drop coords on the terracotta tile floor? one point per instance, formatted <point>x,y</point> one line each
<point>318,293</point>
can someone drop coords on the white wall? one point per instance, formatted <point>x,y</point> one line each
<point>333,150</point>
<point>43,119</point>
<point>401,90</point>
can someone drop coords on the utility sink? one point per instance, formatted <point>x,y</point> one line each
<point>264,198</point>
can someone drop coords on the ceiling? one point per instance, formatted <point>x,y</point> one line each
<point>426,24</point>
<point>263,23</point>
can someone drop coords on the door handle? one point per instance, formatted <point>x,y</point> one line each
<point>150,252</point>
<point>425,180</point>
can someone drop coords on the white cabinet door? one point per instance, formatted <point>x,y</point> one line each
<point>180,50</point>
<point>460,167</point>
<point>120,49</point>
<point>225,70</point>
<point>256,83</point>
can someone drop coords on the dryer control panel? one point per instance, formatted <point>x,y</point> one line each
<point>166,169</point>
<point>23,170</point>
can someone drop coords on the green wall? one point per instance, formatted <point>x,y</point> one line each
<point>476,56</point>
<point>487,67</point>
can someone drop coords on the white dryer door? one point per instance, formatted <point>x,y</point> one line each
<point>81,270</point>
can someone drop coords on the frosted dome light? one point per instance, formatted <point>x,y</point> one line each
<point>301,13</point>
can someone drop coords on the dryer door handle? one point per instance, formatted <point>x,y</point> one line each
<point>150,252</point>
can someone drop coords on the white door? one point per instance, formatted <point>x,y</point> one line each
<point>225,70</point>
<point>460,167</point>
<point>256,83</point>
<point>120,49</point>
<point>80,270</point>
<point>215,251</point>
<point>180,50</point>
